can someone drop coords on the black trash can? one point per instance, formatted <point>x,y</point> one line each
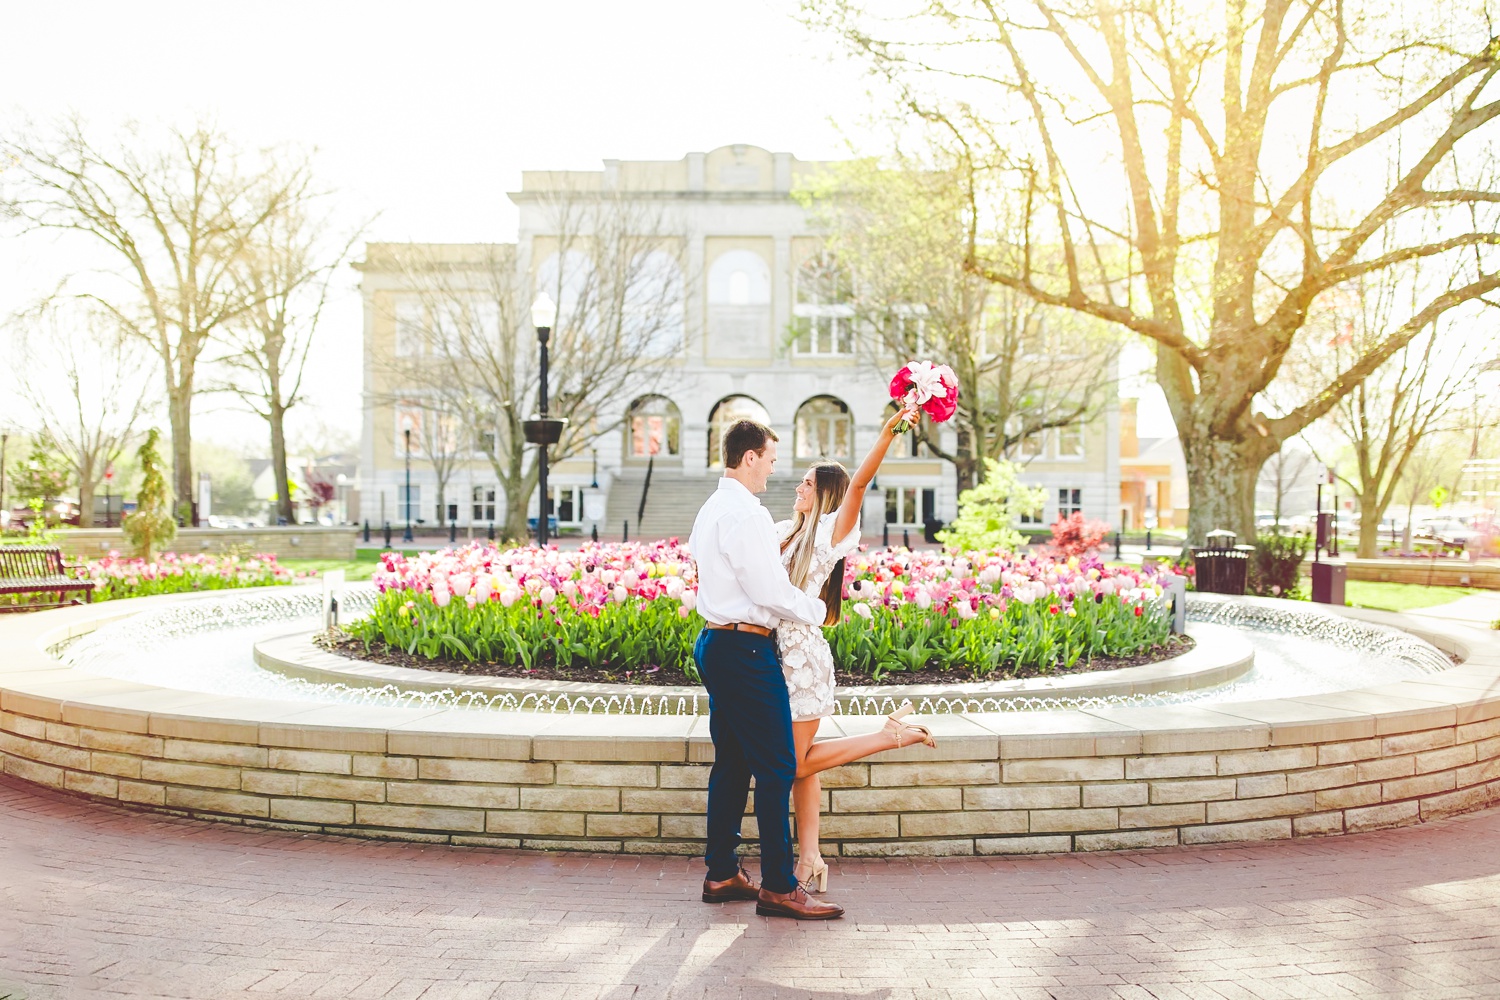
<point>930,530</point>
<point>1219,567</point>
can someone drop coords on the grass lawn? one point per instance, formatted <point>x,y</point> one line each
<point>1401,596</point>
<point>361,567</point>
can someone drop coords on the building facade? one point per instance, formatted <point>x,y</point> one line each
<point>756,335</point>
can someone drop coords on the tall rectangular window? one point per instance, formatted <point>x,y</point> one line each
<point>823,315</point>
<point>1069,501</point>
<point>409,506</point>
<point>484,503</point>
<point>1070,441</point>
<point>409,332</point>
<point>901,506</point>
<point>565,504</point>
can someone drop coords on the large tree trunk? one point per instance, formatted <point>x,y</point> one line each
<point>1221,485</point>
<point>517,485</point>
<point>284,509</point>
<point>965,462</point>
<point>1369,534</point>
<point>85,502</point>
<point>180,413</point>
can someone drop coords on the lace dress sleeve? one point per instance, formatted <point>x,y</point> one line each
<point>845,546</point>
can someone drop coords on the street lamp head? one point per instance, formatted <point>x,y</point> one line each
<point>543,312</point>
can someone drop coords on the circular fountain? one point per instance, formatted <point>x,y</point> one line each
<point>1284,720</point>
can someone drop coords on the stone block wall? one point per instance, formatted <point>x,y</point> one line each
<point>589,790</point>
<point>1436,572</point>
<point>299,542</point>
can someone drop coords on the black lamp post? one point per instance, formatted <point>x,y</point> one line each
<point>406,535</point>
<point>4,440</point>
<point>542,430</point>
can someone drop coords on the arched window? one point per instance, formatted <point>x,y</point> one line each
<point>739,306</point>
<point>653,427</point>
<point>569,279</point>
<point>824,429</point>
<point>823,314</point>
<point>652,317</point>
<point>724,414</point>
<point>739,278</point>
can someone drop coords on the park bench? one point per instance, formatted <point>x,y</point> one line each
<point>35,569</point>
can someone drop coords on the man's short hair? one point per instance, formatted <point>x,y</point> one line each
<point>743,436</point>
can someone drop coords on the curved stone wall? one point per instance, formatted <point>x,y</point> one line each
<point>998,783</point>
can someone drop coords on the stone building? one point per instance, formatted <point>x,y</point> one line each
<point>758,337</point>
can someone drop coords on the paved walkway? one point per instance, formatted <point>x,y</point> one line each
<point>102,902</point>
<point>1482,610</point>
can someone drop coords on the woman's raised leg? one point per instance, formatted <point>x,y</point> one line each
<point>824,754</point>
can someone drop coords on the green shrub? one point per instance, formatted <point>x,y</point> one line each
<point>1275,565</point>
<point>151,524</point>
<point>988,512</point>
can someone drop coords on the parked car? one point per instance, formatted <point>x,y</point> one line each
<point>1449,532</point>
<point>63,511</point>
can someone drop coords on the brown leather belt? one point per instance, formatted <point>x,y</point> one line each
<point>739,627</point>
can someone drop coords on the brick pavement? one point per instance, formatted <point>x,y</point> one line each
<point>103,902</point>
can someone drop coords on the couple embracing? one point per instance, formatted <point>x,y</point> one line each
<point>765,591</point>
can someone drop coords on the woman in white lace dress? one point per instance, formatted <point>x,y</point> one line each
<point>814,543</point>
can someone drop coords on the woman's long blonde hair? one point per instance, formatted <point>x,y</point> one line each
<point>830,483</point>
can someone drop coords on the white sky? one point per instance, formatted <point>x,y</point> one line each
<point>427,113</point>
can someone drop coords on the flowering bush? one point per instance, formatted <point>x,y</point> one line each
<point>116,577</point>
<point>630,606</point>
<point>1076,535</point>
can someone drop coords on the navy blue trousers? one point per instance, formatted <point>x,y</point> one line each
<point>750,721</point>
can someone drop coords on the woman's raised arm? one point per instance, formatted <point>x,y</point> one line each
<point>854,499</point>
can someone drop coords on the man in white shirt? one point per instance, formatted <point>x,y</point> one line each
<point>743,594</point>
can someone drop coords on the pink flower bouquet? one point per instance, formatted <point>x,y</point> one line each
<point>921,385</point>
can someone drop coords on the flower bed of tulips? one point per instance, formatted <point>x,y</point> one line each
<point>630,606</point>
<point>116,577</point>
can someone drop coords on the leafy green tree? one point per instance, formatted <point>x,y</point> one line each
<point>152,523</point>
<point>42,478</point>
<point>1208,174</point>
<point>988,512</point>
<point>896,231</point>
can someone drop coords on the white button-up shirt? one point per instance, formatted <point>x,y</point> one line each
<point>740,576</point>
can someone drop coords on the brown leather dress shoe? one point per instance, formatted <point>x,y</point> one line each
<point>741,887</point>
<point>796,904</point>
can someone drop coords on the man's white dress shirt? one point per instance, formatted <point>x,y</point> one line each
<point>740,576</point>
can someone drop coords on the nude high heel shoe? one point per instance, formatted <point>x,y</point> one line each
<point>817,875</point>
<point>901,732</point>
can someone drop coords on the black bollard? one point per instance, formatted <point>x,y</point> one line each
<point>452,532</point>
<point>885,535</point>
<point>1117,547</point>
<point>387,534</point>
<point>905,538</point>
<point>594,533</point>
<point>625,533</point>
<point>1148,539</point>
<point>492,531</point>
<point>367,531</point>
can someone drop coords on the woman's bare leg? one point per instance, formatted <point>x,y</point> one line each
<point>831,753</point>
<point>807,799</point>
